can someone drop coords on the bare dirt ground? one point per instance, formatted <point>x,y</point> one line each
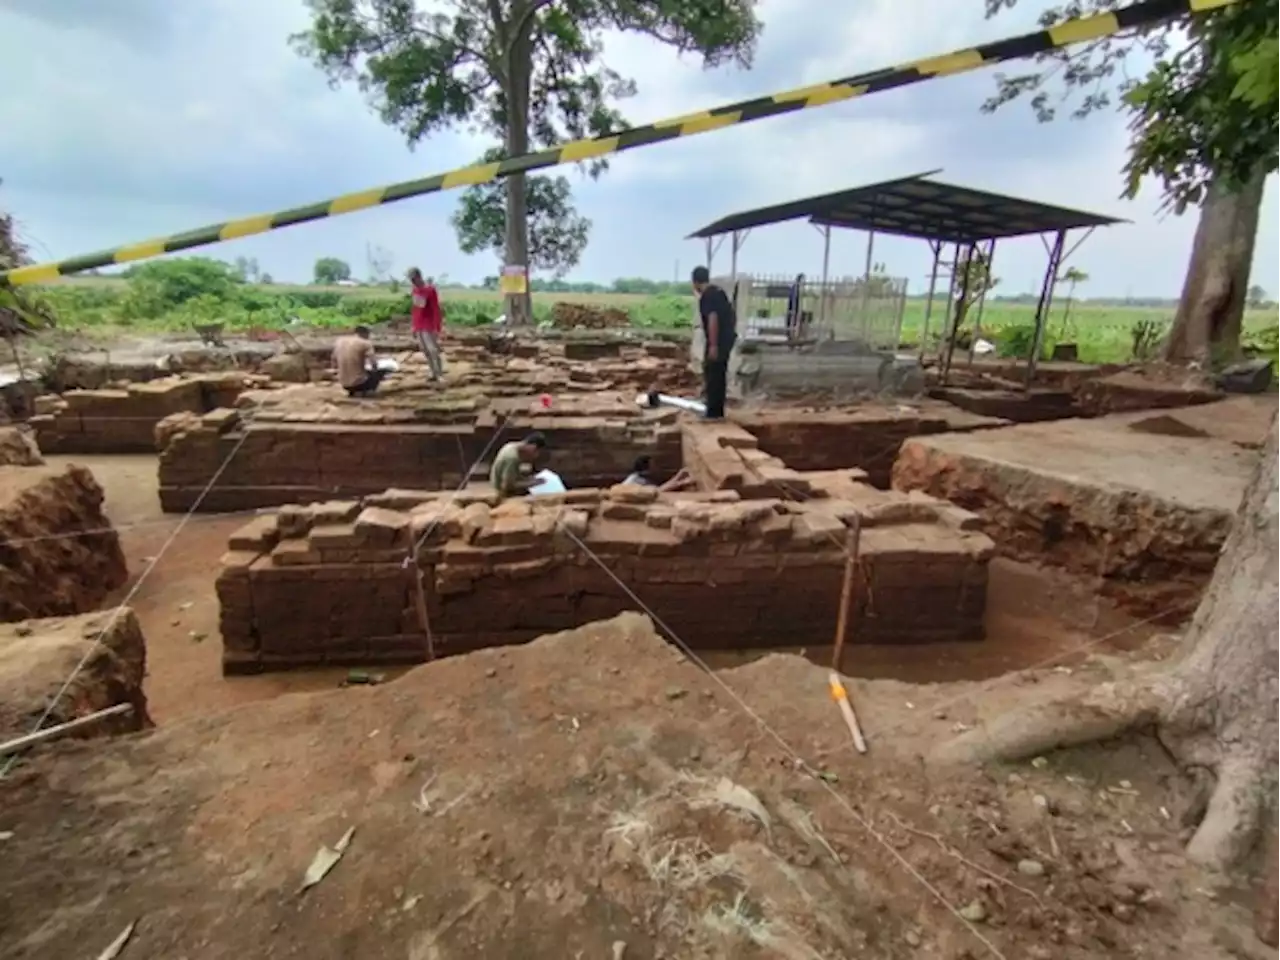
<point>594,795</point>
<point>1034,616</point>
<point>175,602</point>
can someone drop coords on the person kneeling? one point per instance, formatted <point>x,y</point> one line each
<point>356,362</point>
<point>511,473</point>
<point>639,477</point>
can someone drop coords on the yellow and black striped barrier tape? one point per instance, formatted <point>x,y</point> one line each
<point>1065,34</point>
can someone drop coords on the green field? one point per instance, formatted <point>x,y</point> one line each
<point>174,295</point>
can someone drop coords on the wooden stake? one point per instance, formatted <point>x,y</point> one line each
<point>62,729</point>
<point>841,696</point>
<point>853,542</point>
<point>420,603</point>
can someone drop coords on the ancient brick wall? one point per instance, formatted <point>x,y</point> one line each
<point>303,458</point>
<point>867,438</point>
<point>124,420</point>
<point>336,582</point>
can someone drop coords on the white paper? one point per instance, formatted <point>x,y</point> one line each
<point>548,482</point>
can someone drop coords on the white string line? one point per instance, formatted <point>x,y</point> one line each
<point>125,527</point>
<point>984,685</point>
<point>795,755</point>
<point>453,498</point>
<point>133,591</point>
<point>248,512</point>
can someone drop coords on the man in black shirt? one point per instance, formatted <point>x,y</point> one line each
<point>719,330</point>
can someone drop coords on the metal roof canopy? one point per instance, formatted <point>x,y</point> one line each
<point>919,208</point>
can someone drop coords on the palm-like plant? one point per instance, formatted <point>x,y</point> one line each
<point>1071,277</point>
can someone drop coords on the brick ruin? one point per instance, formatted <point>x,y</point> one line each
<point>867,437</point>
<point>286,457</point>
<point>1062,390</point>
<point>755,559</point>
<point>115,406</point>
<point>124,419</point>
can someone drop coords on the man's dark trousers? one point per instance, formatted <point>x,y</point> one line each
<point>715,377</point>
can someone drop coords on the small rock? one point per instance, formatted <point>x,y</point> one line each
<point>1031,868</point>
<point>1045,804</point>
<point>1039,763</point>
<point>675,693</point>
<point>491,672</point>
<point>975,911</point>
<point>1014,778</point>
<point>912,938</point>
<point>1122,911</point>
<point>22,630</point>
<point>619,949</point>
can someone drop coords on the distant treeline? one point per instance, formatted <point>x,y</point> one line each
<point>645,287</point>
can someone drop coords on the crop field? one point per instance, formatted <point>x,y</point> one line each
<point>174,295</point>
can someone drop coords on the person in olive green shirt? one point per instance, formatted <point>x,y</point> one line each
<point>509,475</point>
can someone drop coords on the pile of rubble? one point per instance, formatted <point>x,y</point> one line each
<point>587,316</point>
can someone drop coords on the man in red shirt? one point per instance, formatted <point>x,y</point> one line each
<point>427,321</point>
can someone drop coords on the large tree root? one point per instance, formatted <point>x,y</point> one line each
<point>1106,712</point>
<point>1215,711</point>
<point>1160,704</point>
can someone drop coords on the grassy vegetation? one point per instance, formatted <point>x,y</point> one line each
<point>173,295</point>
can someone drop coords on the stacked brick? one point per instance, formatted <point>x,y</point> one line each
<point>868,438</point>
<point>124,420</point>
<point>282,457</point>
<point>342,582</point>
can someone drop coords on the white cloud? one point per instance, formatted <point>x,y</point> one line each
<point>144,117</point>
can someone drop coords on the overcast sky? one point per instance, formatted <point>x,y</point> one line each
<point>127,119</point>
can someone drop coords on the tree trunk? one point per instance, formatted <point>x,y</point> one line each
<point>1215,709</point>
<point>1210,313</point>
<point>519,77</point>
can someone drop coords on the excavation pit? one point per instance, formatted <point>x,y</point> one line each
<point>231,460</point>
<point>754,559</point>
<point>866,436</point>
<point>1140,503</point>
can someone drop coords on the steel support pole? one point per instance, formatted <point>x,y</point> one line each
<point>936,247</point>
<point>954,328</point>
<point>982,302</point>
<point>1046,301</point>
<point>826,275</point>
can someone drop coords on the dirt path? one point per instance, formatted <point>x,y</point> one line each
<point>175,602</point>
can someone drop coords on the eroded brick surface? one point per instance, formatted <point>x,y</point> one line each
<point>124,420</point>
<point>328,585</point>
<point>296,456</point>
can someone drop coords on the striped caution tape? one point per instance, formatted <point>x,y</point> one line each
<point>1065,34</point>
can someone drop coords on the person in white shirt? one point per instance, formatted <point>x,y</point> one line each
<point>639,477</point>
